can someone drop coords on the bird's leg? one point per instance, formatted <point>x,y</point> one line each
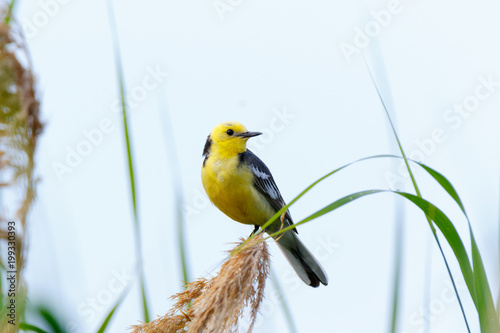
<point>255,230</point>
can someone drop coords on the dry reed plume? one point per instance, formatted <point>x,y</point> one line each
<point>19,129</point>
<point>217,304</point>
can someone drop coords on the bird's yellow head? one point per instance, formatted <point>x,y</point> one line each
<point>228,139</point>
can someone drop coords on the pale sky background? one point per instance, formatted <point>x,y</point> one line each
<point>277,67</point>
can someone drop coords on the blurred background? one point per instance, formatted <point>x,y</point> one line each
<point>293,70</point>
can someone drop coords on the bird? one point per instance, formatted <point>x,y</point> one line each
<point>239,184</point>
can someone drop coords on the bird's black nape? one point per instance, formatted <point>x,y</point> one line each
<point>206,149</point>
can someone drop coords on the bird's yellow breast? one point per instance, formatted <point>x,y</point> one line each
<point>229,186</point>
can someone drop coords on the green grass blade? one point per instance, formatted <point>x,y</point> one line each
<point>307,189</point>
<point>443,223</point>
<point>399,226</point>
<point>398,258</point>
<point>392,126</point>
<point>400,146</point>
<point>430,210</point>
<point>106,321</point>
<point>310,187</point>
<point>448,230</point>
<point>486,308</point>
<point>10,9</point>
<point>283,302</point>
<point>336,204</point>
<point>445,184</point>
<point>417,190</point>
<point>179,197</point>
<point>30,328</point>
<point>498,306</point>
<point>130,160</point>
<point>450,233</point>
<point>427,280</point>
<point>483,298</point>
<point>181,238</point>
<point>50,318</point>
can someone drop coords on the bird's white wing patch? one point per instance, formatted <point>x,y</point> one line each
<point>264,183</point>
<point>259,173</point>
<point>269,185</point>
<point>271,189</point>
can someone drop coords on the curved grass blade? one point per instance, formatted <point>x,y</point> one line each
<point>435,214</point>
<point>377,59</point>
<point>282,210</point>
<point>284,304</point>
<point>484,302</point>
<point>30,328</point>
<point>465,265</point>
<point>450,233</point>
<point>310,187</point>
<point>483,298</point>
<point>50,318</point>
<point>417,190</point>
<point>137,229</point>
<point>106,321</point>
<point>445,184</point>
<point>334,205</point>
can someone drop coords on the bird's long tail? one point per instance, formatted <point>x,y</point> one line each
<point>301,259</point>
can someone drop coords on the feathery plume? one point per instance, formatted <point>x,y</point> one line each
<point>217,304</point>
<point>19,129</point>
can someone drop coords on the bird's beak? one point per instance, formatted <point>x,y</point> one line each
<point>247,135</point>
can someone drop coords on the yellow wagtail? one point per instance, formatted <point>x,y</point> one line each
<point>242,187</point>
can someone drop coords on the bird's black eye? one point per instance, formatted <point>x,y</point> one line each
<point>230,132</point>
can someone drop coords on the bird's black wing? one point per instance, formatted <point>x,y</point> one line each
<point>264,182</point>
